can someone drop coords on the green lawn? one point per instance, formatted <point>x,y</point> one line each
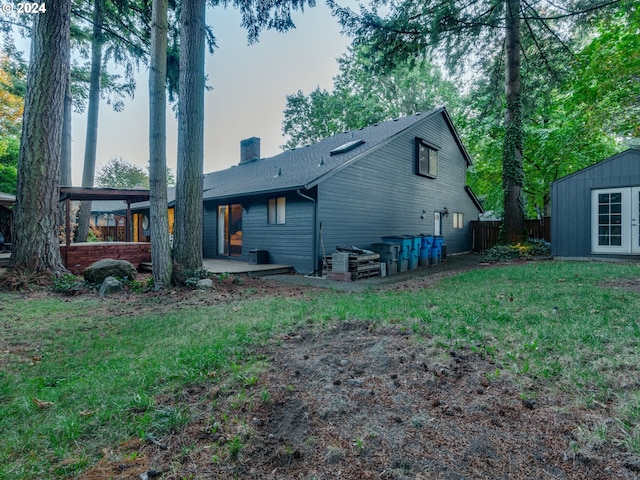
<point>552,325</point>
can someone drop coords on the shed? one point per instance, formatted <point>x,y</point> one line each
<point>596,210</point>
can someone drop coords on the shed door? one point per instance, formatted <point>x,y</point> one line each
<point>615,220</point>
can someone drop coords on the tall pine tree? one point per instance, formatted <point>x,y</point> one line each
<point>36,243</point>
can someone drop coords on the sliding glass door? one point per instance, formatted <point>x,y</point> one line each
<point>230,230</point>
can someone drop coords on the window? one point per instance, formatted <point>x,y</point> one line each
<point>610,219</point>
<point>426,159</point>
<point>277,207</point>
<point>458,220</point>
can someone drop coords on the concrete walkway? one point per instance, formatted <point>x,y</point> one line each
<point>461,262</point>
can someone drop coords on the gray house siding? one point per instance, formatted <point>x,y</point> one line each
<point>289,243</point>
<point>209,229</point>
<point>571,201</point>
<point>381,194</point>
<point>343,192</point>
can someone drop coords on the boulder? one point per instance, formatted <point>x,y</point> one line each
<point>204,284</point>
<point>110,285</point>
<point>109,267</point>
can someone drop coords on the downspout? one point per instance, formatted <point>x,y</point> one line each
<point>315,229</point>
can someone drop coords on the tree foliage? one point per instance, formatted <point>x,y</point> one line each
<point>605,81</point>
<point>119,173</point>
<point>566,127</point>
<point>363,95</point>
<point>12,87</point>
<point>463,33</point>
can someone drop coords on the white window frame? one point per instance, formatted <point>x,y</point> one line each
<point>458,220</point>
<point>624,224</point>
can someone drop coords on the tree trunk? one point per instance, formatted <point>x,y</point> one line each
<point>36,242</point>
<point>188,217</point>
<point>65,157</point>
<point>91,141</point>
<point>513,229</point>
<point>160,245</point>
<point>65,154</point>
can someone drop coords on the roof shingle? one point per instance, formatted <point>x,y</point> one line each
<point>306,166</point>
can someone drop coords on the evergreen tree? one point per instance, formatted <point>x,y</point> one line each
<point>160,244</point>
<point>461,33</point>
<point>36,243</point>
<point>256,16</point>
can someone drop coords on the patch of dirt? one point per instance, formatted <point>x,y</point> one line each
<point>359,401</point>
<point>627,284</point>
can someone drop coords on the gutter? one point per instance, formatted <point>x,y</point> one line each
<point>315,229</point>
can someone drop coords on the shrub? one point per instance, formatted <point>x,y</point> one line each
<point>532,248</point>
<point>67,284</point>
<point>189,278</point>
<point>139,286</point>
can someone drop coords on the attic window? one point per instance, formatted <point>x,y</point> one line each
<point>426,159</point>
<point>346,147</point>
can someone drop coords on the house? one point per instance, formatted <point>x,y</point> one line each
<point>401,177</point>
<point>596,210</point>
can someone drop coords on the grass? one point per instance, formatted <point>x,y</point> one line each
<point>551,325</point>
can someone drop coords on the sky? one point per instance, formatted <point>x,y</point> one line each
<point>250,84</point>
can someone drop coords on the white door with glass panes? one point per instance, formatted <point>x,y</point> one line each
<point>615,220</point>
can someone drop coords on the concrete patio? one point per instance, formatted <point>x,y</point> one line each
<point>218,266</point>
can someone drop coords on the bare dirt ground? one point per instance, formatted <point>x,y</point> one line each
<point>364,402</point>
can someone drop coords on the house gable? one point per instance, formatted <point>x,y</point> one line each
<point>349,189</point>
<point>380,194</point>
<point>308,166</point>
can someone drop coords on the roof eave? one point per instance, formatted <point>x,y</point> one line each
<point>252,193</point>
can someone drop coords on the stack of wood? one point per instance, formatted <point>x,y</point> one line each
<point>351,263</point>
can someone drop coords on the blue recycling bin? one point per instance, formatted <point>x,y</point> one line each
<point>414,253</point>
<point>435,255</point>
<point>438,241</point>
<point>425,250</point>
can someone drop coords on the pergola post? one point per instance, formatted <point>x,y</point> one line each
<point>128,225</point>
<point>67,225</point>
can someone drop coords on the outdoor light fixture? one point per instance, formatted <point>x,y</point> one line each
<point>445,212</point>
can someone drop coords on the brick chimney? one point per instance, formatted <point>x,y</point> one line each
<point>249,150</point>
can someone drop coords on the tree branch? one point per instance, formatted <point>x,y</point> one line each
<point>137,48</point>
<point>574,13</point>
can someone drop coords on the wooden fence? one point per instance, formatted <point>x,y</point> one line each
<point>487,234</point>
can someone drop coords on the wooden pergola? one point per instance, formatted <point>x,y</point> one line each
<point>79,255</point>
<point>68,194</point>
